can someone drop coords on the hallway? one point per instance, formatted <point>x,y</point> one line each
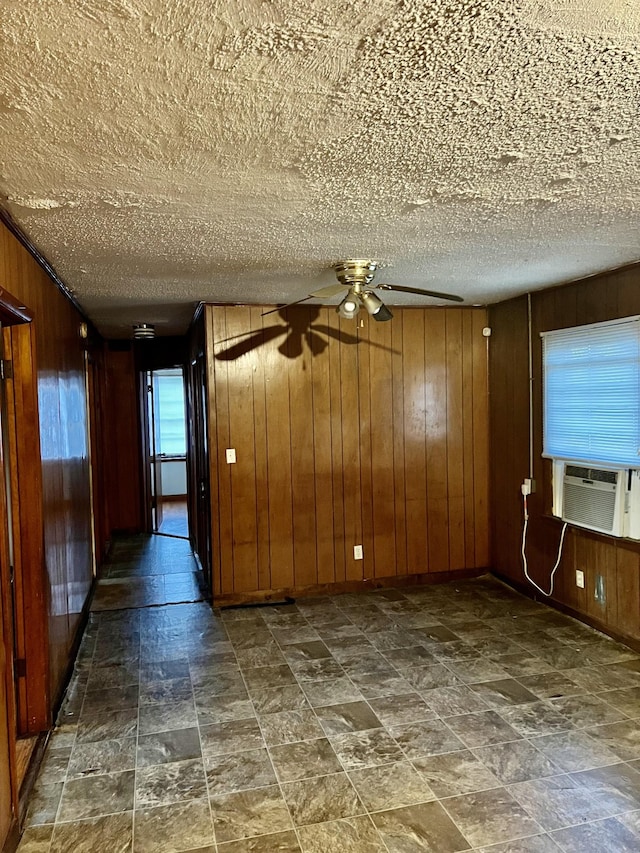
<point>441,718</point>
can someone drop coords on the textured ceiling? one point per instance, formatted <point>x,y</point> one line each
<point>162,152</point>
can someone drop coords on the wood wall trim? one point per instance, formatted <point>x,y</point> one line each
<point>372,584</point>
<point>12,311</point>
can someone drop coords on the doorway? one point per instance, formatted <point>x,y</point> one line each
<point>166,452</point>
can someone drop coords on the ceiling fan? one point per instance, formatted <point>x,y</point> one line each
<point>357,275</point>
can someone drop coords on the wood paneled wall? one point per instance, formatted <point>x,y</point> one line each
<point>346,434</point>
<point>122,440</point>
<point>605,297</point>
<point>64,459</point>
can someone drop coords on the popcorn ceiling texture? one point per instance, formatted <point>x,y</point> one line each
<point>160,152</point>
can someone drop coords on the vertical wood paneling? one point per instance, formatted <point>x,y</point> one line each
<point>346,435</point>
<point>59,421</point>
<point>438,390</point>
<point>455,439</point>
<point>418,435</point>
<point>606,297</point>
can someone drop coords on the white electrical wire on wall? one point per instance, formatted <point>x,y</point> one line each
<point>524,555</point>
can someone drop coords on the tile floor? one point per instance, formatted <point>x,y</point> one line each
<point>442,718</point>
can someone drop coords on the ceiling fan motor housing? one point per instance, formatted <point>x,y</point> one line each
<point>356,272</point>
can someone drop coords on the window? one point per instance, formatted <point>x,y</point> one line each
<point>170,412</point>
<point>591,393</point>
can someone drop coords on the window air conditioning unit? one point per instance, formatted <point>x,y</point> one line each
<point>595,498</point>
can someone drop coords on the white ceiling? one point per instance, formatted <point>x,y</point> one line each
<point>163,152</point>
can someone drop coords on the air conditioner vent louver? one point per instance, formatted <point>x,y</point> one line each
<point>594,498</point>
<point>596,474</point>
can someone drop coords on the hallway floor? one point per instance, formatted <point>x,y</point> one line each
<point>441,718</point>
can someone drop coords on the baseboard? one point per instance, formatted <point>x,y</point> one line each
<point>13,838</point>
<point>525,589</point>
<point>420,579</point>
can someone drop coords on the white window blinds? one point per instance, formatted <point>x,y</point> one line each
<point>591,393</point>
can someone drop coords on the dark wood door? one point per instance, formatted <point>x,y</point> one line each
<point>199,503</point>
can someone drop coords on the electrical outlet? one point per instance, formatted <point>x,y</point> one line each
<point>231,455</point>
<point>579,578</point>
<point>357,552</point>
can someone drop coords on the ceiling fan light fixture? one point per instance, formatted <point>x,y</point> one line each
<point>144,331</point>
<point>349,306</point>
<point>382,314</point>
<point>371,302</point>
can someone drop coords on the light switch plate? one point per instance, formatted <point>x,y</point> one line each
<point>231,455</point>
<point>579,578</point>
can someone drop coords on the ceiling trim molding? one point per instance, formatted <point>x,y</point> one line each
<point>21,237</point>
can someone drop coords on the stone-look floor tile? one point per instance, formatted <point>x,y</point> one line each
<point>350,835</point>
<point>400,710</point>
<point>112,832</point>
<point>174,828</point>
<point>532,844</point>
<point>455,773</point>
<point>170,783</point>
<point>366,749</point>
<point>474,671</point>
<point>279,842</point>
<point>257,812</point>
<point>427,678</point>
<point>482,728</point>
<point>305,759</point>
<point>621,738</point>
<point>595,679</point>
<point>97,795</point>
<point>558,802</point>
<point>103,756</point>
<point>429,737</point>
<point>374,685</point>
<point>312,650</point>
<point>535,718</point>
<point>165,747</point>
<point>322,799</point>
<point>167,717</point>
<point>368,662</point>
<point>552,685</point>
<point>522,665</point>
<point>490,817</point>
<point>348,717</point>
<point>425,827</point>
<point>224,709</point>
<point>403,658</point>
<point>322,669</point>
<point>205,687</point>
<point>290,726</point>
<point>289,697</point>
<point>451,701</point>
<point>338,690</point>
<point>165,669</point>
<point>518,761</point>
<point>604,835</point>
<point>626,701</point>
<point>391,786</point>
<point>616,787</point>
<point>506,691</point>
<point>114,699</point>
<point>111,725</point>
<point>344,647</point>
<point>239,771</point>
<point>268,676</point>
<point>36,839</point>
<point>573,751</point>
<point>585,711</point>
<point>43,803</point>
<point>234,736</point>
<point>54,765</point>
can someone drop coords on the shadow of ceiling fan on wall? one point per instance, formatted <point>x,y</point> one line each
<point>357,275</point>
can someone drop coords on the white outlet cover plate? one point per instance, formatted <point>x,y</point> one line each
<point>231,455</point>
<point>357,552</point>
<point>579,579</point>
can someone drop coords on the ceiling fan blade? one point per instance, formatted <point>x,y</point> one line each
<point>327,292</point>
<point>402,289</point>
<point>288,305</point>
